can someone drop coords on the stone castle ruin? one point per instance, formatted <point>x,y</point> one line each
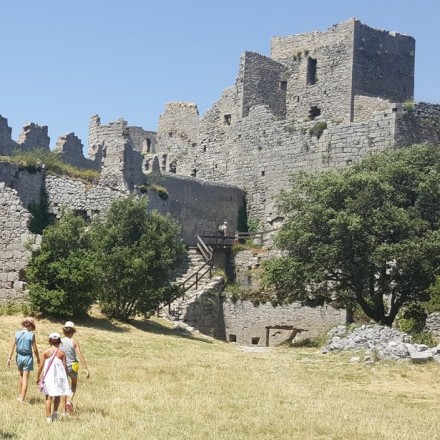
<point>321,100</point>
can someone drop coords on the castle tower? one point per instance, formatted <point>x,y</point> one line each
<point>328,70</point>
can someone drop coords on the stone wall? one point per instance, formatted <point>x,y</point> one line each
<point>87,201</point>
<point>261,153</point>
<point>383,64</point>
<point>34,136</point>
<point>6,142</point>
<point>14,238</point>
<point>70,149</point>
<point>418,123</point>
<point>320,71</point>
<point>263,129</point>
<point>246,323</point>
<point>198,206</point>
<point>177,136</point>
<point>27,184</point>
<point>264,83</point>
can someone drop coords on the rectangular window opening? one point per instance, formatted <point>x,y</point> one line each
<point>227,119</point>
<point>311,71</point>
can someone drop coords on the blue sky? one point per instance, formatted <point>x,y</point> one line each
<point>64,61</point>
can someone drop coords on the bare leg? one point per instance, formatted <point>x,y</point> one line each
<point>64,399</point>
<point>48,406</point>
<point>56,403</point>
<point>20,386</point>
<point>23,384</point>
<point>73,386</point>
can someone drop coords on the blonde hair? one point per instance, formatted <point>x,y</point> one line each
<point>28,322</point>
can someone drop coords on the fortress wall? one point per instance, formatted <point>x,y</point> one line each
<point>64,192</point>
<point>143,141</point>
<point>419,124</point>
<point>27,184</point>
<point>14,235</point>
<point>330,88</point>
<point>210,158</point>
<point>177,136</point>
<point>246,323</point>
<point>365,106</point>
<point>70,149</point>
<point>261,153</point>
<point>383,64</point>
<point>99,134</point>
<point>6,142</point>
<point>265,83</point>
<point>33,137</point>
<point>197,205</point>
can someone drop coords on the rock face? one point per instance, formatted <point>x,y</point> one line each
<point>379,342</point>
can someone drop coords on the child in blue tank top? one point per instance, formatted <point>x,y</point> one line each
<point>24,344</point>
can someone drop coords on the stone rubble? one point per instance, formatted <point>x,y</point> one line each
<point>379,342</point>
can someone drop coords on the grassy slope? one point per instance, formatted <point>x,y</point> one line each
<point>151,382</point>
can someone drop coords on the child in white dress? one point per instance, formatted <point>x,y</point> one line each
<point>54,368</point>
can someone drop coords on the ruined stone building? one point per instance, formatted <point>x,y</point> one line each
<point>321,100</point>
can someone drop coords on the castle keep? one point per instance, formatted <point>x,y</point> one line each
<point>321,100</point>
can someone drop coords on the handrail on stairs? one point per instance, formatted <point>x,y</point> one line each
<point>207,253</point>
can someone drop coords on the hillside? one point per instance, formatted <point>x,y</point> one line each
<point>153,382</point>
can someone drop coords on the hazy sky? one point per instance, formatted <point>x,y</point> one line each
<point>64,61</point>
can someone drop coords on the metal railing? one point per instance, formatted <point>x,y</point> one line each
<point>259,238</point>
<point>194,279</point>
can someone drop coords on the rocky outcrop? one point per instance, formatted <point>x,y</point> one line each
<point>379,343</point>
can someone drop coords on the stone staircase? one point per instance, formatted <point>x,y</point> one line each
<point>193,262</point>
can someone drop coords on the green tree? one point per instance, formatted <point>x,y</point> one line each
<point>60,273</point>
<point>368,234</point>
<point>135,252</point>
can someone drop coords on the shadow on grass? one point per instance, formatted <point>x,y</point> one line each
<point>146,325</point>
<point>159,329</point>
<point>6,434</point>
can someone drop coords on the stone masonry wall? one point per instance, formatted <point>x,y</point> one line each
<point>6,142</point>
<point>65,193</point>
<point>14,236</point>
<point>70,149</point>
<point>246,324</point>
<point>365,106</point>
<point>418,123</point>
<point>197,205</point>
<point>27,184</point>
<point>391,75</point>
<point>34,136</point>
<point>329,55</point>
<point>177,135</point>
<point>262,152</point>
<point>263,80</point>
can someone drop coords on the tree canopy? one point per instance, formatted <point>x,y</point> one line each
<point>366,235</point>
<point>123,260</point>
<point>136,251</point>
<point>61,272</point>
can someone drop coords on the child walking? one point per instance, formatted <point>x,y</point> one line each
<point>54,369</point>
<point>24,344</point>
<point>73,350</point>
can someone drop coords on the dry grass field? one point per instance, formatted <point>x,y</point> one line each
<point>150,381</point>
